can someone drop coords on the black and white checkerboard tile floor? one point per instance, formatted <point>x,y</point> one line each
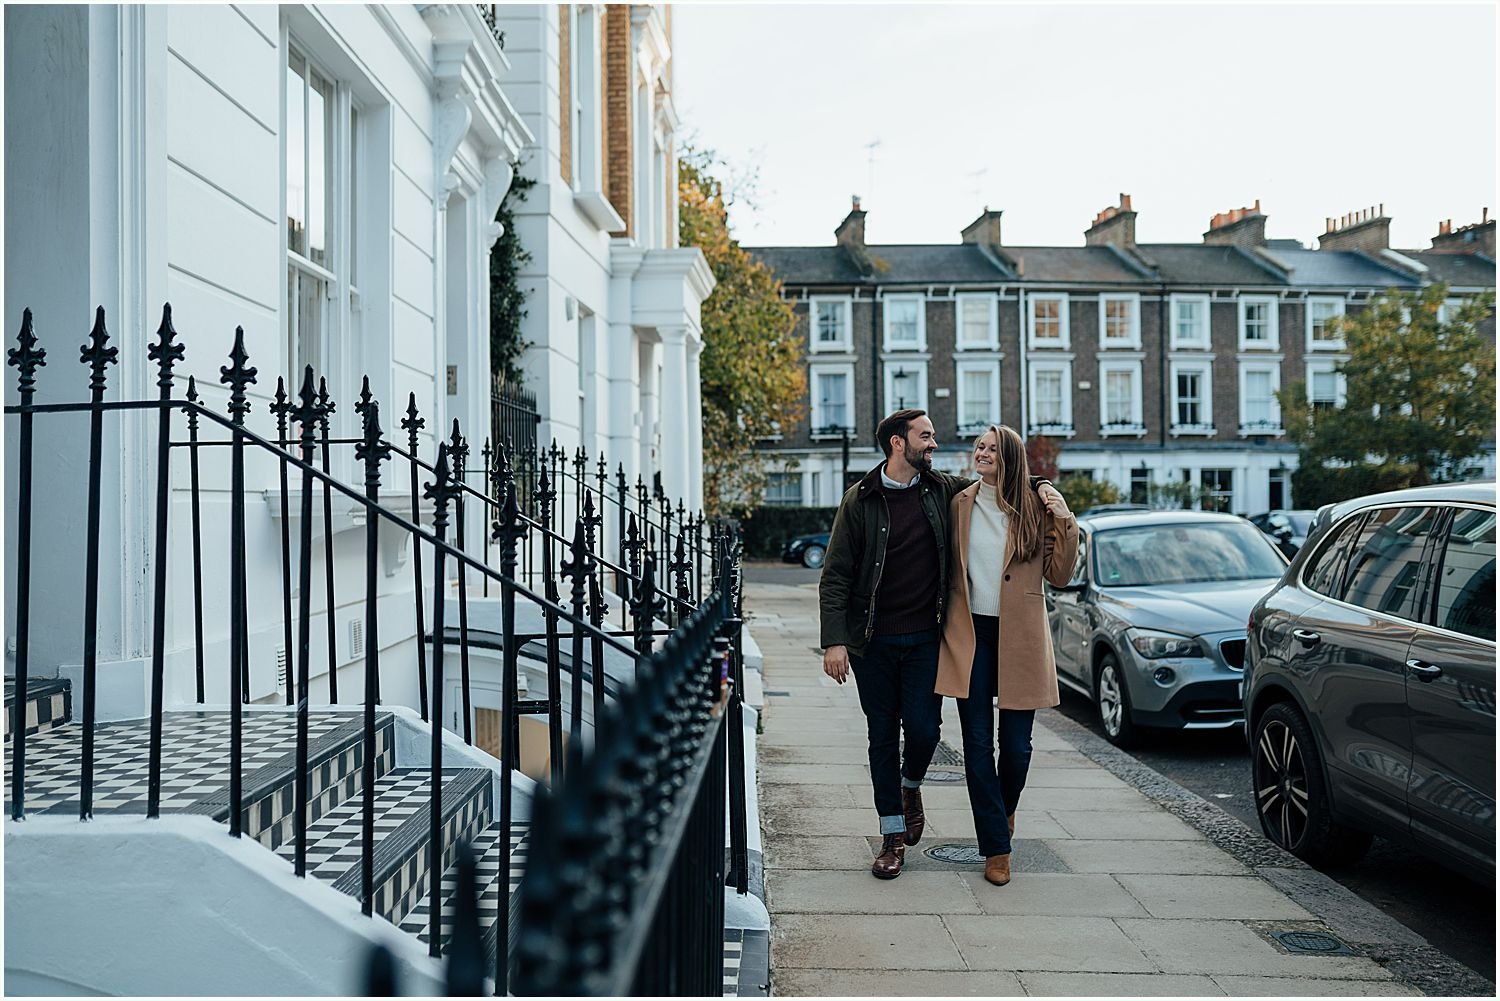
<point>195,758</point>
<point>487,874</point>
<point>747,963</point>
<point>47,704</point>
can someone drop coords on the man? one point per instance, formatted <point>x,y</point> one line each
<point>881,594</point>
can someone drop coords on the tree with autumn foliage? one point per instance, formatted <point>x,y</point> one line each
<point>752,379</point>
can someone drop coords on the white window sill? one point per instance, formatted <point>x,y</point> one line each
<point>826,436</point>
<point>975,428</point>
<point>1051,430</point>
<point>1122,431</point>
<point>598,210</point>
<point>1261,430</point>
<point>829,349</point>
<point>1326,346</point>
<point>988,346</point>
<point>1120,346</point>
<point>1204,430</point>
<point>1267,346</point>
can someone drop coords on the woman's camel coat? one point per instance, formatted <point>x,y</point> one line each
<point>1028,672</point>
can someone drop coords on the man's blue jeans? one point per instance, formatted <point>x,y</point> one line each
<point>896,676</point>
<point>994,785</point>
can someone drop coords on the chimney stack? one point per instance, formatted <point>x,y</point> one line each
<point>851,232</point>
<point>1368,229</point>
<point>1242,227</point>
<point>985,230</point>
<point>1113,226</point>
<point>1475,238</point>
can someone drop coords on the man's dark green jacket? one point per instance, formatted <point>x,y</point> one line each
<point>856,554</point>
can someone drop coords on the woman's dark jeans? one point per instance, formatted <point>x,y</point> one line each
<point>896,677</point>
<point>994,790</point>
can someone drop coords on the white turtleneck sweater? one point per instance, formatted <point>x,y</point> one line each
<point>988,526</point>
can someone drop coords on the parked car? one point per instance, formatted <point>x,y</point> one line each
<point>1152,625</point>
<point>808,550</point>
<point>1288,529</point>
<point>1370,683</point>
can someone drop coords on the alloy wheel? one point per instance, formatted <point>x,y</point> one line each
<point>1281,788</point>
<point>812,557</point>
<point>1110,707</point>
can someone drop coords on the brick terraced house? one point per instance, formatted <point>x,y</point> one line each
<point>1148,362</point>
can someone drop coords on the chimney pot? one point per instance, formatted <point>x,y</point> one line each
<point>855,200</point>
<point>1257,205</point>
<point>1125,202</point>
<point>1484,216</point>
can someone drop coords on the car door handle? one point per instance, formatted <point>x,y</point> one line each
<point>1423,670</point>
<point>1307,637</point>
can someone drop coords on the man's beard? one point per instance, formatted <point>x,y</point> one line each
<point>918,459</point>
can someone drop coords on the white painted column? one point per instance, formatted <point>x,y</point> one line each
<point>675,438</point>
<point>694,496</point>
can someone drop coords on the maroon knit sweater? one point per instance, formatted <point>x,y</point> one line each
<point>908,592</point>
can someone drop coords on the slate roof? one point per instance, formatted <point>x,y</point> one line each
<point>1463,270</point>
<point>1279,263</point>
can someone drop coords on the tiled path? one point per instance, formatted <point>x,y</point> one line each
<point>1112,894</point>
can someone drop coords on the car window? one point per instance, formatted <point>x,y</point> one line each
<point>1183,553</point>
<point>1325,571</point>
<point>1081,564</point>
<point>1466,583</point>
<point>1385,563</point>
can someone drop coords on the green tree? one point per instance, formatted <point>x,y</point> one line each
<point>1083,492</point>
<point>1419,399</point>
<point>752,379</point>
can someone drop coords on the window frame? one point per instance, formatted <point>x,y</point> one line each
<point>1137,426</point>
<point>817,429</point>
<point>1307,308</point>
<point>992,326</point>
<point>784,477</point>
<point>1176,342</point>
<point>988,367</point>
<point>1064,341</point>
<point>920,301</point>
<point>1325,365</point>
<point>1273,330</point>
<point>1131,342</point>
<point>846,343</point>
<point>1277,424</point>
<point>1064,369</point>
<point>1433,580</point>
<point>1205,372</point>
<point>907,365</point>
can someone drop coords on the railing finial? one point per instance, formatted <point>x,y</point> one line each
<point>412,422</point>
<point>364,397</point>
<point>237,376</point>
<point>372,450</point>
<point>458,449</point>
<point>27,356</point>
<point>326,406</point>
<point>441,490</point>
<point>97,354</point>
<point>165,352</point>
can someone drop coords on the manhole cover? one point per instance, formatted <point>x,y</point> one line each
<point>942,775</point>
<point>957,854</point>
<point>1311,941</point>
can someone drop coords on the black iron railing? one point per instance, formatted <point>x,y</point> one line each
<point>672,739</point>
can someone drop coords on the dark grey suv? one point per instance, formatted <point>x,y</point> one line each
<point>1370,682</point>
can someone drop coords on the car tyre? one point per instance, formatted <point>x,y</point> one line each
<point>1112,703</point>
<point>812,557</point>
<point>1291,797</point>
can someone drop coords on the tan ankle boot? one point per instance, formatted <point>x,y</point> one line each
<point>997,869</point>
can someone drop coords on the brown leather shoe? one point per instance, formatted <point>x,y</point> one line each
<point>1011,823</point>
<point>916,820</point>
<point>892,857</point>
<point>997,869</point>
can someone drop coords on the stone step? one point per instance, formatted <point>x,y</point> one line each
<point>48,704</point>
<point>402,828</point>
<point>487,859</point>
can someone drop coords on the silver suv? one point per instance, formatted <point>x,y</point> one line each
<point>1152,625</point>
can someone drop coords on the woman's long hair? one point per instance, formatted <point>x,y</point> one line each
<point>1013,490</point>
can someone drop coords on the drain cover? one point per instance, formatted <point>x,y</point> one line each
<point>958,854</point>
<point>1311,941</point>
<point>943,775</point>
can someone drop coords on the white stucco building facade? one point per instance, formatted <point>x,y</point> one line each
<point>325,177</point>
<point>613,302</point>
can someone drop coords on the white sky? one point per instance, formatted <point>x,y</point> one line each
<point>1192,109</point>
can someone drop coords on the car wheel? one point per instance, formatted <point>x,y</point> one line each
<point>1112,702</point>
<point>1291,798</point>
<point>812,557</point>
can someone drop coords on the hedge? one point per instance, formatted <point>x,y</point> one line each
<point>766,529</point>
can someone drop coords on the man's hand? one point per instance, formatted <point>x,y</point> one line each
<point>1053,500</point>
<point>836,663</point>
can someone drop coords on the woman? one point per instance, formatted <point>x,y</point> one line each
<point>1006,539</point>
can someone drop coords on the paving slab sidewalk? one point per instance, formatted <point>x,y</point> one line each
<point>1118,889</point>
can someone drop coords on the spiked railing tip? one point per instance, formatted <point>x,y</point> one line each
<point>97,354</point>
<point>237,376</point>
<point>165,352</point>
<point>364,396</point>
<point>27,357</point>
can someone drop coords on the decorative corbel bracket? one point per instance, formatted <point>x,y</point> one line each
<point>454,115</point>
<point>499,172</point>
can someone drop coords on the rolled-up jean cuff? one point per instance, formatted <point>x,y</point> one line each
<point>907,783</point>
<point>893,825</point>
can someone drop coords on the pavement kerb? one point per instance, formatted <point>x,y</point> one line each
<point>1412,959</point>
